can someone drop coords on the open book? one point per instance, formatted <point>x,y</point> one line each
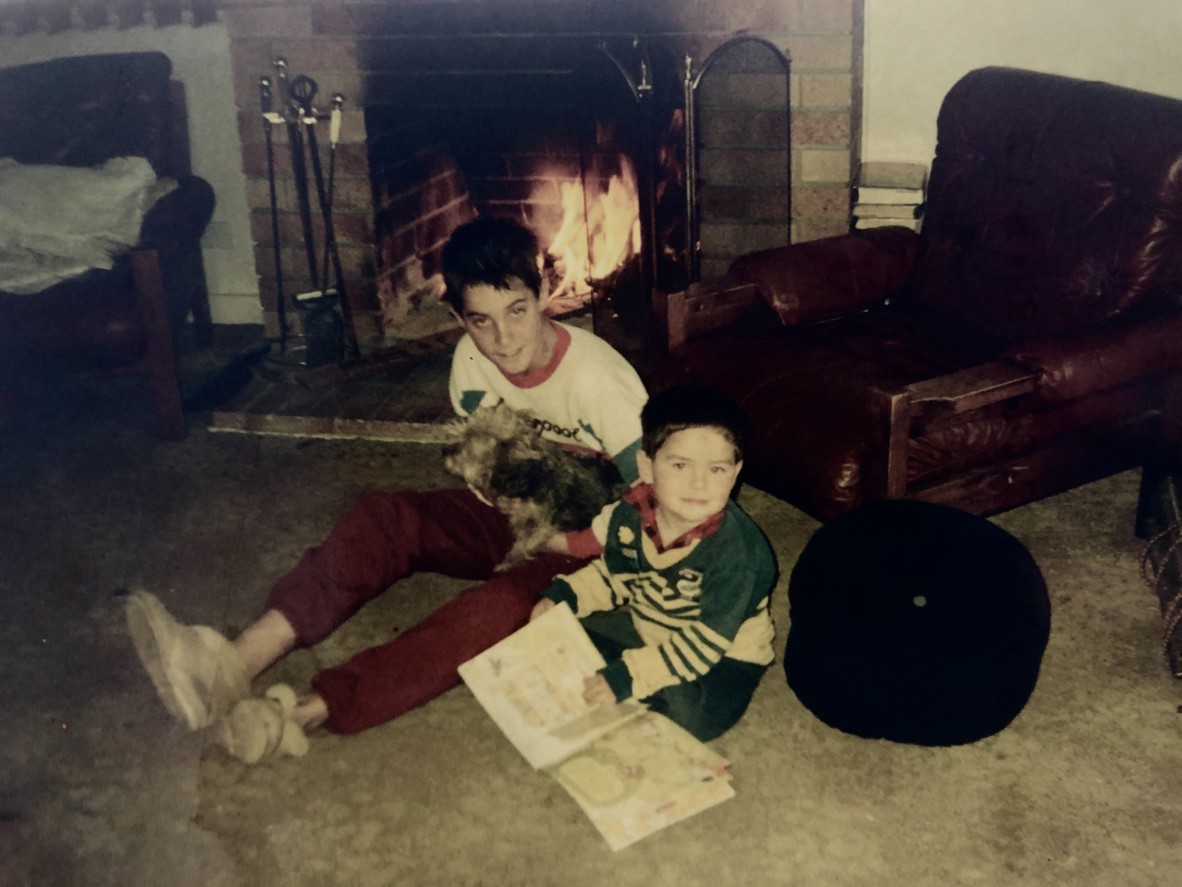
<point>632,771</point>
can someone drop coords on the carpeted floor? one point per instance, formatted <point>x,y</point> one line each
<point>99,787</point>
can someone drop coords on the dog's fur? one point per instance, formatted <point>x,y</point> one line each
<point>543,488</point>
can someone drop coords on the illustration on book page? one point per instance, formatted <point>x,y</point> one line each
<point>642,777</point>
<point>531,685</point>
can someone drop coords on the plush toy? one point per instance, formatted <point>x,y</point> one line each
<point>257,728</point>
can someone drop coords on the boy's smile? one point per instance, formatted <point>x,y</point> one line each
<point>692,475</point>
<point>507,326</point>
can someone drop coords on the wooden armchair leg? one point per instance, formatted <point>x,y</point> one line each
<point>159,361</point>
<point>1158,504</point>
<point>1152,501</point>
<point>886,475</point>
<point>202,318</point>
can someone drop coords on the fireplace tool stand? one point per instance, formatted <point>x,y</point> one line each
<point>327,329</point>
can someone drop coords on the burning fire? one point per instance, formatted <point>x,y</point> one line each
<point>600,231</point>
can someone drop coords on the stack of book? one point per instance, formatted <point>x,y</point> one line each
<point>890,194</point>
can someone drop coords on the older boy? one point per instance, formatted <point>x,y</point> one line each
<point>585,395</point>
<point>678,601</point>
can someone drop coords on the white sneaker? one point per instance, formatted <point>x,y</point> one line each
<point>259,728</point>
<point>196,671</point>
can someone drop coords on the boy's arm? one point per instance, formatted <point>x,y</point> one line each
<point>625,462</point>
<point>610,403</point>
<point>685,656</point>
<point>587,590</point>
<point>465,388</point>
<point>735,595</point>
<point>455,390</point>
<point>585,543</point>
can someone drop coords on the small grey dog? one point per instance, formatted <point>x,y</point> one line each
<point>543,488</point>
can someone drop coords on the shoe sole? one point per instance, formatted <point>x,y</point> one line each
<point>152,629</point>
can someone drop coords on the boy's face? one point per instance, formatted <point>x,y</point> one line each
<point>507,326</point>
<point>692,475</point>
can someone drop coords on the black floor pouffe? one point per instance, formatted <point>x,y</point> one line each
<point>917,623</point>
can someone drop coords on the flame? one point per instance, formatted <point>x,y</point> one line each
<point>599,232</point>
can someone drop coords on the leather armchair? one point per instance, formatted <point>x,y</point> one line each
<point>1028,340</point>
<point>82,111</point>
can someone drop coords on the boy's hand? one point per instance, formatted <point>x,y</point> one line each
<point>558,544</point>
<point>541,607</point>
<point>597,691</point>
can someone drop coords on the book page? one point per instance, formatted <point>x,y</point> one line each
<point>531,685</point>
<point>642,777</point>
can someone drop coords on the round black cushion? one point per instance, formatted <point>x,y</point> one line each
<point>917,623</point>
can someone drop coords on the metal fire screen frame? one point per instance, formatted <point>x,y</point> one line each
<point>641,85</point>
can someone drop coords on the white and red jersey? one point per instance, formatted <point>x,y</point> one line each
<point>588,397</point>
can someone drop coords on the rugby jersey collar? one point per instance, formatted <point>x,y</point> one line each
<point>642,499</point>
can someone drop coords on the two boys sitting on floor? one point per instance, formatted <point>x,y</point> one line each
<point>695,572</point>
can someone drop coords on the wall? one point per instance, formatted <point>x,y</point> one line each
<point>201,60</point>
<point>916,49</point>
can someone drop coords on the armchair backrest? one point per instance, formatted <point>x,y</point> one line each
<point>1053,203</point>
<point>84,110</point>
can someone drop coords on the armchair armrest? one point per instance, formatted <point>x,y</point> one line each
<point>1053,371</point>
<point>180,217</point>
<point>970,389</point>
<point>949,395</point>
<point>801,283</point>
<point>708,305</point>
<point>1104,358</point>
<point>831,277</point>
<point>170,238</point>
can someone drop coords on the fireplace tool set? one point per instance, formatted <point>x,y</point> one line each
<point>327,331</point>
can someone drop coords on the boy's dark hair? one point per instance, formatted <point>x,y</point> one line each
<point>489,251</point>
<point>693,406</point>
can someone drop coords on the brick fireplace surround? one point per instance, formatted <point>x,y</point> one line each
<point>387,269</point>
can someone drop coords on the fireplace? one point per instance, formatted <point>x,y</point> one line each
<point>645,146</point>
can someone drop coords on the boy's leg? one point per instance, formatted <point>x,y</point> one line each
<point>707,707</point>
<point>200,675</point>
<point>712,704</point>
<point>386,537</point>
<point>383,682</point>
<point>195,670</point>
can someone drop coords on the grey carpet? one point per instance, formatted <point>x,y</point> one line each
<point>98,787</point>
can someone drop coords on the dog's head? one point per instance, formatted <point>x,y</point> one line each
<point>489,437</point>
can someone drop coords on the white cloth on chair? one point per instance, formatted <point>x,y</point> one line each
<point>57,222</point>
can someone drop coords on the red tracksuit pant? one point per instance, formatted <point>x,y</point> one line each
<point>385,537</point>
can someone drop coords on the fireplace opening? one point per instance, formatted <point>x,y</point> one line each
<point>589,142</point>
<point>556,134</point>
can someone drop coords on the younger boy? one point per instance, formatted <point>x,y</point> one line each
<point>678,601</point>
